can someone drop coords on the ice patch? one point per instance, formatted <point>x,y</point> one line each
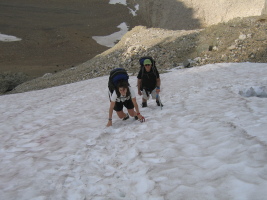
<point>8,38</point>
<point>133,12</point>
<point>110,40</point>
<point>123,2</point>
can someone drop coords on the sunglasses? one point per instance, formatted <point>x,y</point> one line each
<point>147,65</point>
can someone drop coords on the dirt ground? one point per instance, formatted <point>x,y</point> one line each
<point>56,34</point>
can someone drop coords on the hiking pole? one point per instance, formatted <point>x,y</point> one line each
<point>158,97</point>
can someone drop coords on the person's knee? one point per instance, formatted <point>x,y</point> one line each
<point>146,99</point>
<point>120,114</point>
<point>154,94</point>
<point>145,96</point>
<point>131,113</point>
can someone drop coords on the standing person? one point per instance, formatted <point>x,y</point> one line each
<point>148,82</point>
<point>124,96</point>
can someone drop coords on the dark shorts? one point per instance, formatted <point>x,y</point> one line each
<point>119,105</point>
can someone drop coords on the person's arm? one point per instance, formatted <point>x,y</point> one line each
<point>140,117</point>
<point>110,112</point>
<point>158,85</point>
<point>139,81</point>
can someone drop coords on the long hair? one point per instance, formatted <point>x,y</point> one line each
<point>125,85</point>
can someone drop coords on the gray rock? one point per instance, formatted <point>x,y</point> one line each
<point>9,80</point>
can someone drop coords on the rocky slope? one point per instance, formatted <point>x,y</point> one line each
<point>191,14</point>
<point>239,40</point>
<point>56,35</point>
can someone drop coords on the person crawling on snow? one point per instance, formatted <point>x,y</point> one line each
<point>125,96</point>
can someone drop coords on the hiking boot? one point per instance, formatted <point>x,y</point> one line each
<point>144,104</point>
<point>158,103</point>
<point>126,117</point>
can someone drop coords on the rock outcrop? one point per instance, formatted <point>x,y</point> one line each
<point>193,14</point>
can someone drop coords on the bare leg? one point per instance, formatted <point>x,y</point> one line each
<point>132,113</point>
<point>121,114</point>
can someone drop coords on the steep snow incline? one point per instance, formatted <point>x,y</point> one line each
<point>209,142</point>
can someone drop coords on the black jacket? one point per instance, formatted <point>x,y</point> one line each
<point>149,79</point>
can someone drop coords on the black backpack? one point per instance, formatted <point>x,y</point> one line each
<point>115,76</point>
<point>142,67</point>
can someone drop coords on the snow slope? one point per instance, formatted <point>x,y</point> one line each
<point>208,142</point>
